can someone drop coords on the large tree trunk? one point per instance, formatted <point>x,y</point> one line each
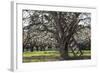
<point>64,52</point>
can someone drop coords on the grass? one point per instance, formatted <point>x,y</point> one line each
<point>42,56</point>
<point>40,53</point>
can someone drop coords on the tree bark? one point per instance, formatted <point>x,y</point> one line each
<point>64,52</point>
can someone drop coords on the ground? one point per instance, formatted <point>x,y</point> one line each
<point>42,56</point>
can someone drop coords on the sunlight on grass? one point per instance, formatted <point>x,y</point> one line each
<point>41,53</point>
<point>42,56</point>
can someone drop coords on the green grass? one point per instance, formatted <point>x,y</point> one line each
<point>40,53</point>
<point>42,56</point>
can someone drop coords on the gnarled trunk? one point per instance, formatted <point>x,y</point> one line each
<point>64,52</point>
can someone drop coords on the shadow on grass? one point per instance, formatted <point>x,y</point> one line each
<point>52,58</point>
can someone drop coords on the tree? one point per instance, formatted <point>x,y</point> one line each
<point>59,26</point>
